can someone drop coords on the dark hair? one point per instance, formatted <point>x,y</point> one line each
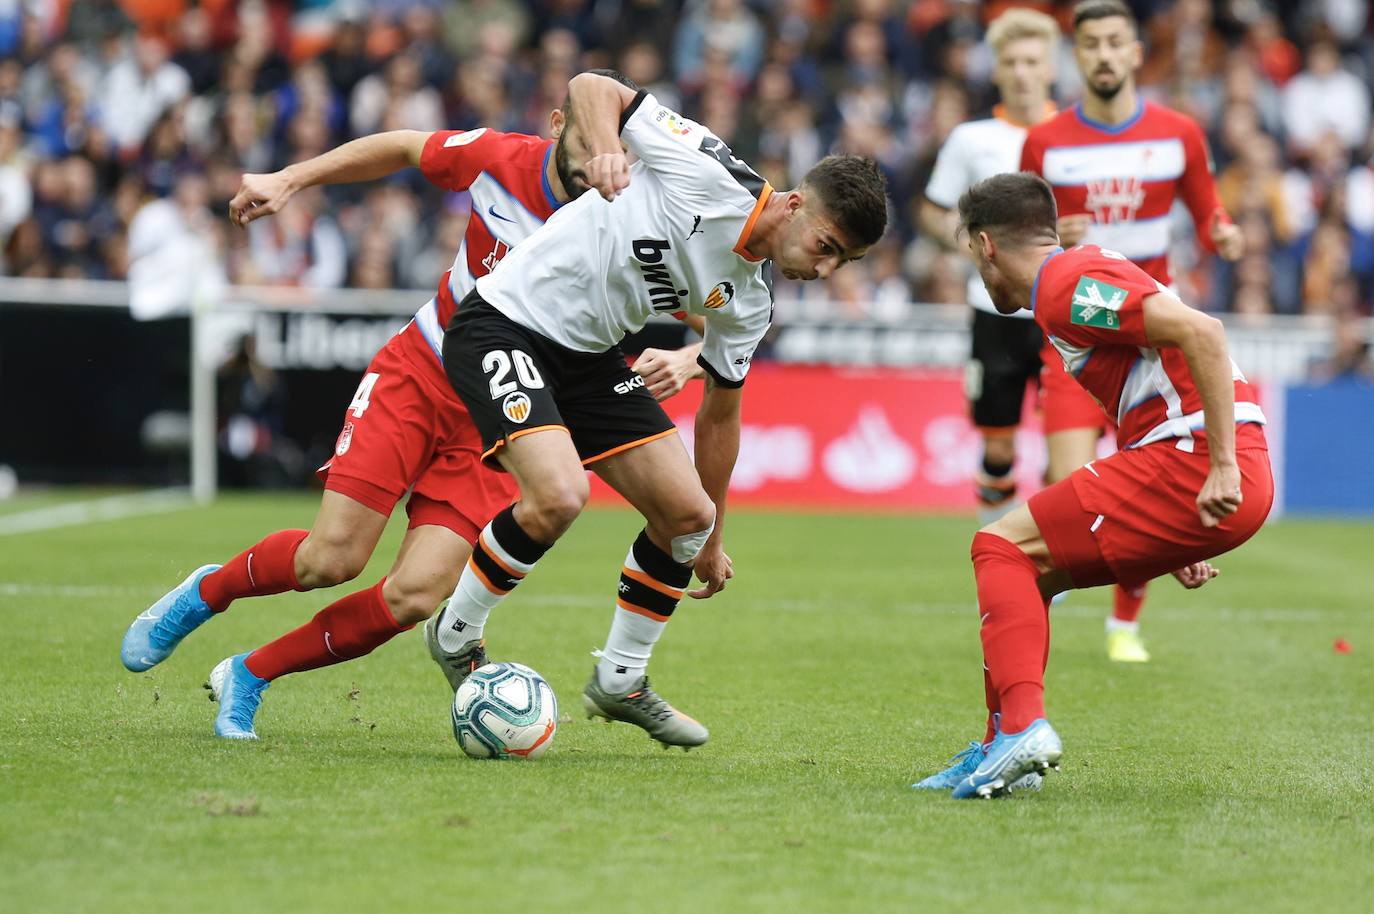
<point>609,74</point>
<point>1102,9</point>
<point>853,192</point>
<point>1013,208</point>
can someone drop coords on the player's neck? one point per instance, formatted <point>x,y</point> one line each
<point>1024,266</point>
<point>560,193</point>
<point>1112,111</point>
<point>768,227</point>
<point>1025,115</point>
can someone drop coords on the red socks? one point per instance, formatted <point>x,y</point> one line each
<point>344,630</point>
<point>1126,603</point>
<point>1015,630</point>
<point>267,568</point>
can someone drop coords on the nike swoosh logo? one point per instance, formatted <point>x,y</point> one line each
<point>327,645</point>
<point>147,661</point>
<point>251,583</point>
<point>492,210</point>
<point>146,616</point>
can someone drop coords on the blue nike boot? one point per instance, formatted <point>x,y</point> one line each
<point>157,631</point>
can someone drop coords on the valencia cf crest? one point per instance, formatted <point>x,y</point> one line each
<point>516,407</point>
<point>720,296</point>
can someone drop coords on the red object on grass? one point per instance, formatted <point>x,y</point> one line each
<point>1341,646</point>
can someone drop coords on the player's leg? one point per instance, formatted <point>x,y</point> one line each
<point>1005,357</point>
<point>656,477</point>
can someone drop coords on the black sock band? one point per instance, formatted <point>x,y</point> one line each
<point>658,564</point>
<point>996,470</point>
<point>512,538</point>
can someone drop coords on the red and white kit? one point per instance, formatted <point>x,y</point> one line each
<point>1126,177</point>
<point>406,428</point>
<point>1133,516</point>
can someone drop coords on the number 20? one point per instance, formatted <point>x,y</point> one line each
<point>498,364</point>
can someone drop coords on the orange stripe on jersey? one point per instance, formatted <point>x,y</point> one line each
<point>486,582</point>
<point>648,581</point>
<point>749,226</point>
<point>524,431</point>
<point>640,611</point>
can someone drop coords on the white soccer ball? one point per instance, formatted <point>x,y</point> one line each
<point>504,710</point>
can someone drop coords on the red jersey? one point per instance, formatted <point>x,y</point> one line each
<point>1126,177</point>
<point>1090,304</point>
<point>505,175</point>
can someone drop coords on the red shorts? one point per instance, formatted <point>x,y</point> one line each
<point>407,429</point>
<point>1132,517</point>
<point>1064,404</point>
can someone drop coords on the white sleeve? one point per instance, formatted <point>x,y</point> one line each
<point>690,158</point>
<point>730,340</point>
<point>949,178</point>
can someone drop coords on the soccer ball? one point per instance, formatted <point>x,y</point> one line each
<point>504,710</point>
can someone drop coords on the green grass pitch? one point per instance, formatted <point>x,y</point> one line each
<point>1230,774</point>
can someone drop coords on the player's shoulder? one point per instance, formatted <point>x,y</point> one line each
<point>1056,125</point>
<point>1155,115</point>
<point>499,146</point>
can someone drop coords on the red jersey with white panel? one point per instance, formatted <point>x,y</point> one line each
<point>1089,303</point>
<point>506,176</point>
<point>1126,177</point>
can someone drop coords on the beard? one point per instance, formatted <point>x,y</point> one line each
<point>1107,92</point>
<point>574,179</point>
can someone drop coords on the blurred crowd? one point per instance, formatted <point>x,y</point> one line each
<point>125,125</point>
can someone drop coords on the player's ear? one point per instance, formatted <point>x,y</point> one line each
<point>794,202</point>
<point>556,123</point>
<point>1137,53</point>
<point>987,245</point>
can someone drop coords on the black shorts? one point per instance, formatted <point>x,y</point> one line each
<point>514,381</point>
<point>1006,356</point>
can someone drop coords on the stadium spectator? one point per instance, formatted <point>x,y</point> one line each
<point>137,90</point>
<point>1323,100</point>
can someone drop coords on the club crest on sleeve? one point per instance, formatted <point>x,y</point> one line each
<point>462,139</point>
<point>516,407</point>
<point>720,296</point>
<point>1096,304</point>
<point>345,439</point>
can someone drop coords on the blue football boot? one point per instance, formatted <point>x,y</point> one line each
<point>159,629</point>
<point>966,762</point>
<point>239,693</point>
<point>1010,757</point>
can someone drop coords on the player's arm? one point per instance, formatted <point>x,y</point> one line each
<point>667,371</point>
<point>1201,338</point>
<point>948,179</point>
<point>717,447</point>
<point>364,159</point>
<point>1198,187</point>
<point>598,105</point>
<point>940,224</point>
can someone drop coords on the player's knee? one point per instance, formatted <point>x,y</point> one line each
<point>411,600</point>
<point>690,530</point>
<point>549,514</point>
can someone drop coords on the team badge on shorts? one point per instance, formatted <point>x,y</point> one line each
<point>720,296</point>
<point>1096,303</point>
<point>516,407</point>
<point>345,439</point>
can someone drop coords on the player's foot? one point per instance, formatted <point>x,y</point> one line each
<point>643,707</point>
<point>457,665</point>
<point>1009,758</point>
<point>996,496</point>
<point>239,693</point>
<point>159,629</point>
<point>1125,646</point>
<point>965,763</point>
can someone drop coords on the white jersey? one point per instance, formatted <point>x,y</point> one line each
<point>672,242</point>
<point>973,151</point>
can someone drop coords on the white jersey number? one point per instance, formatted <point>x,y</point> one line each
<point>360,399</point>
<point>498,364</point>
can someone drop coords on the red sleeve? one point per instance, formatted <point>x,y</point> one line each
<point>1198,187</point>
<point>453,159</point>
<point>1032,154</point>
<point>1094,300</point>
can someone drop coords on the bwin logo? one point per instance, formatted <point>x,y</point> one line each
<point>664,296</point>
<point>625,387</point>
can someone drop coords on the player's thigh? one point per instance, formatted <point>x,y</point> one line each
<point>341,540</point>
<point>1070,449</point>
<point>1005,361</point>
<point>659,480</point>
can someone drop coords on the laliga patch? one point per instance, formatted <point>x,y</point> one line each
<point>720,296</point>
<point>671,122</point>
<point>516,406</point>
<point>345,439</point>
<point>462,139</point>
<point>1096,303</point>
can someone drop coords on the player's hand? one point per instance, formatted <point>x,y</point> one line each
<point>608,174</point>
<point>1220,495</point>
<point>1073,228</point>
<point>1195,575</point>
<point>666,372</point>
<point>713,568</point>
<point>1228,237</point>
<point>260,195</point>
